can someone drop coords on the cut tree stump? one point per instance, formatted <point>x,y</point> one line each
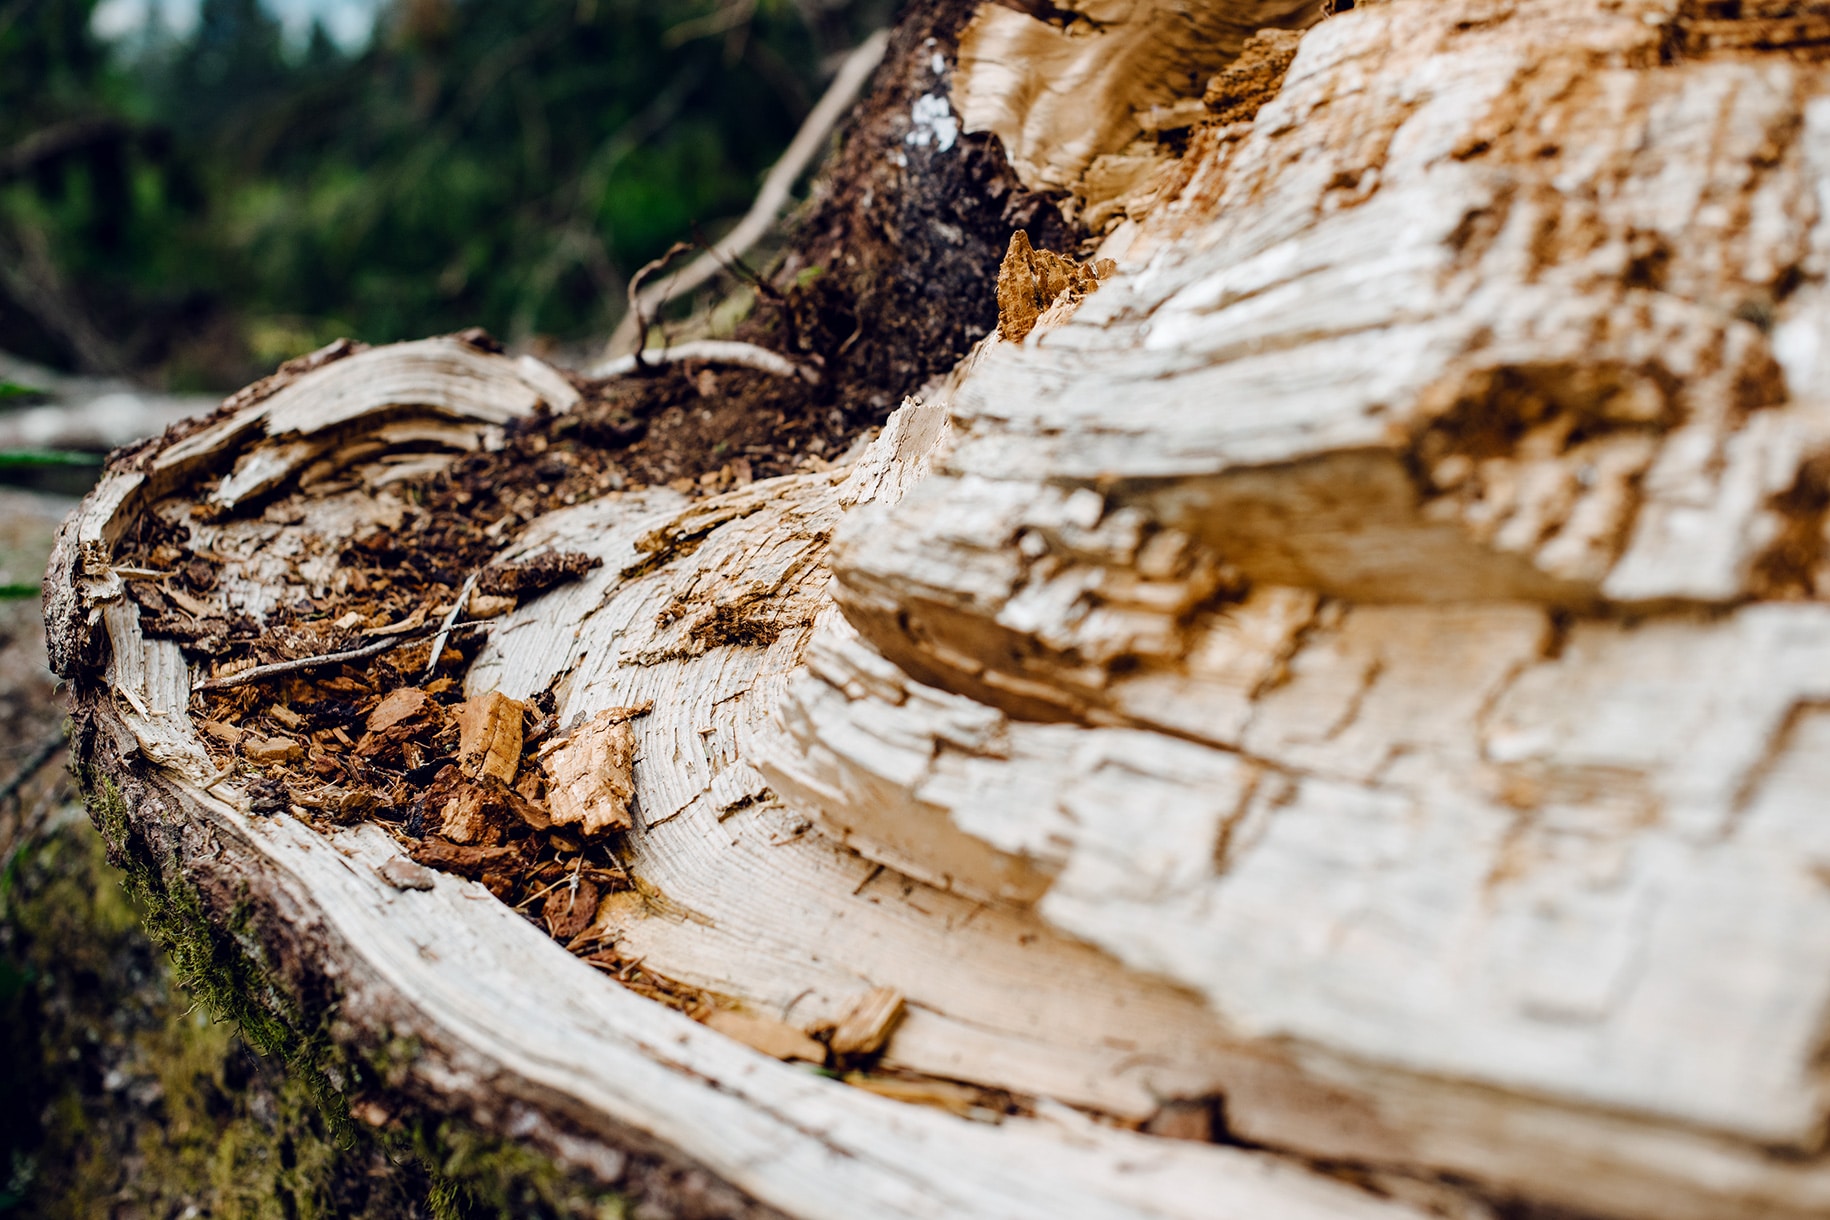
<point>1331,723</point>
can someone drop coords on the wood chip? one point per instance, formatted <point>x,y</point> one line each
<point>766,1034</point>
<point>867,1022</point>
<point>489,736</point>
<point>409,623</point>
<point>404,874</point>
<point>1031,280</point>
<point>483,605</point>
<point>1185,1119</point>
<point>464,818</point>
<point>196,607</point>
<point>590,778</point>
<point>957,1099</point>
<point>535,574</point>
<point>272,750</point>
<point>569,910</point>
<point>400,706</point>
<point>477,811</point>
<point>228,734</point>
<point>286,717</point>
<point>463,859</point>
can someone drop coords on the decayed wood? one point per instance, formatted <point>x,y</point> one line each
<point>1531,889</point>
<point>1542,227</point>
<point>1078,102</point>
<point>489,741</point>
<point>702,612</point>
<point>589,773</point>
<point>1367,661</point>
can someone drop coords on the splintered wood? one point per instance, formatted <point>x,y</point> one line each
<point>777,1039</point>
<point>1031,281</point>
<point>865,1026</point>
<point>589,773</point>
<point>489,736</point>
<point>1090,103</point>
<point>1339,548</point>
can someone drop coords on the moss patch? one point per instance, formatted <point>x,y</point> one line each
<point>174,1082</point>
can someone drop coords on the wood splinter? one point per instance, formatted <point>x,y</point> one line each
<point>590,774</point>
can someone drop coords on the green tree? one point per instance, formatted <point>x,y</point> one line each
<point>479,163</point>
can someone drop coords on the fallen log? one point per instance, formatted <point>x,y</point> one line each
<point>1328,723</point>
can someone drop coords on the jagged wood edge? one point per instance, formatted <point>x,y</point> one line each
<point>526,1041</point>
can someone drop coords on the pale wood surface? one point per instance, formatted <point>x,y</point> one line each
<point>505,1016</point>
<point>1076,102</point>
<point>1386,355</point>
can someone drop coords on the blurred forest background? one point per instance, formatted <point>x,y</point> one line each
<point>191,193</point>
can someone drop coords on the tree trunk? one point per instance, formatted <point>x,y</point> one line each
<point>1343,685</point>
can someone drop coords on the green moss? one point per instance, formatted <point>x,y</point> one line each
<point>478,1175</point>
<point>188,1079</point>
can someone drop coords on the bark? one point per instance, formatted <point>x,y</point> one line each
<point>1350,683</point>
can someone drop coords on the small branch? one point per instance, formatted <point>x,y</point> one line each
<point>545,889</point>
<point>776,190</point>
<point>329,658</point>
<point>712,351</point>
<point>740,271</point>
<point>638,311</point>
<point>60,140</point>
<point>444,628</point>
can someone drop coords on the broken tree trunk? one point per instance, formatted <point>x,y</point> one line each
<point>1349,682</point>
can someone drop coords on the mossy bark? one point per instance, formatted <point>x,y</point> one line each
<point>147,1084</point>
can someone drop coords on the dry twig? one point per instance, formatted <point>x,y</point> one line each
<point>777,187</point>
<point>712,351</point>
<point>32,766</point>
<point>328,658</point>
<point>444,628</point>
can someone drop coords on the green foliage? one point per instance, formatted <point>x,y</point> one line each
<point>232,202</point>
<point>20,459</point>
